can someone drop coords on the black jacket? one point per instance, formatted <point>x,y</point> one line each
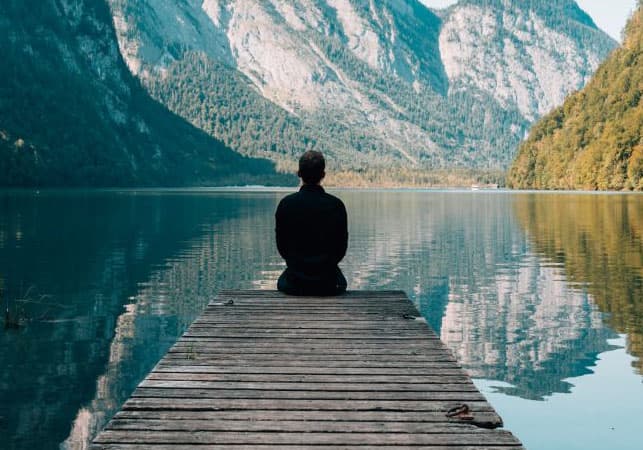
<point>312,232</point>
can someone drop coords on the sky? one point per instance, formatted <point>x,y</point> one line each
<point>609,15</point>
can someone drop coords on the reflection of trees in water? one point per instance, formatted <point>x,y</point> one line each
<point>464,259</point>
<point>92,253</point>
<point>421,242</point>
<point>175,292</point>
<point>527,328</point>
<point>598,239</point>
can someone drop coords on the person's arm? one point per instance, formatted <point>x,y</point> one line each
<point>281,233</point>
<point>342,234</point>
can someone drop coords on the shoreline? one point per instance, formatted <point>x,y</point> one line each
<point>266,189</point>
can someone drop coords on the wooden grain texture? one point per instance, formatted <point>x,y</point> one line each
<point>260,370</point>
<point>295,446</point>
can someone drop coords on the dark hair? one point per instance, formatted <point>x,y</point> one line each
<point>311,167</point>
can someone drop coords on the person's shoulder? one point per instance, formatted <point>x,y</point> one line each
<point>334,199</point>
<point>293,196</point>
<point>290,198</point>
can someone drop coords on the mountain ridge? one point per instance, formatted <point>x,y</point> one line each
<point>366,82</point>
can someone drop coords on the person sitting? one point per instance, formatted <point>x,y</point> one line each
<point>312,234</point>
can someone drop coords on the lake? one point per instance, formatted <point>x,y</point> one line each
<point>539,296</point>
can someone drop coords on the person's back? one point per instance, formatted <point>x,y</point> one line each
<point>312,235</point>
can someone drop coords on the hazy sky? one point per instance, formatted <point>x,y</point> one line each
<point>610,15</point>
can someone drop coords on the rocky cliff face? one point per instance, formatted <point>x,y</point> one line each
<point>374,83</point>
<point>528,55</point>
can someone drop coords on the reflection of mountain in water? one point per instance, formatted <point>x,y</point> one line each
<point>465,261</point>
<point>528,329</point>
<point>170,299</point>
<point>421,242</point>
<point>598,239</point>
<point>90,253</point>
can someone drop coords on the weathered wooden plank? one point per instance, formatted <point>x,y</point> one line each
<point>281,327</point>
<point>279,348</point>
<point>306,415</point>
<point>401,314</point>
<point>314,387</point>
<point>113,446</point>
<point>284,352</point>
<point>306,345</point>
<point>383,333</point>
<point>458,385</point>
<point>320,377</point>
<point>315,301</point>
<point>302,314</point>
<point>391,307</point>
<point>435,369</point>
<point>259,364</point>
<point>308,311</point>
<point>312,345</point>
<point>380,342</point>
<point>302,361</point>
<point>308,322</point>
<point>290,301</point>
<point>214,359</point>
<point>453,394</point>
<point>295,314</point>
<point>330,319</point>
<point>299,405</point>
<point>324,317</point>
<point>283,337</point>
<point>309,378</point>
<point>388,308</point>
<point>290,426</point>
<point>310,438</point>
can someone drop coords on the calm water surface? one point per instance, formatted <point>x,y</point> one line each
<point>540,297</point>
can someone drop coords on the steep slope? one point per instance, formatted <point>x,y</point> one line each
<point>528,54</point>
<point>72,114</point>
<point>594,141</point>
<point>376,84</point>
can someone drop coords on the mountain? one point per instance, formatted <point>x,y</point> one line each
<point>595,140</point>
<point>71,113</point>
<point>384,86</point>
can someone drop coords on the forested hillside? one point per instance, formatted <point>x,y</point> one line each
<point>595,140</point>
<point>72,114</point>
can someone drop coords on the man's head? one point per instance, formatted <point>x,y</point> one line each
<point>311,167</point>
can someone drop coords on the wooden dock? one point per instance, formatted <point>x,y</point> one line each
<point>259,369</point>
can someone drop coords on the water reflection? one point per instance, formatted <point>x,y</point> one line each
<point>111,261</point>
<point>465,260</point>
<point>493,273</point>
<point>527,329</point>
<point>598,240</point>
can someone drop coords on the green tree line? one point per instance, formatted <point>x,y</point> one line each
<point>594,141</point>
